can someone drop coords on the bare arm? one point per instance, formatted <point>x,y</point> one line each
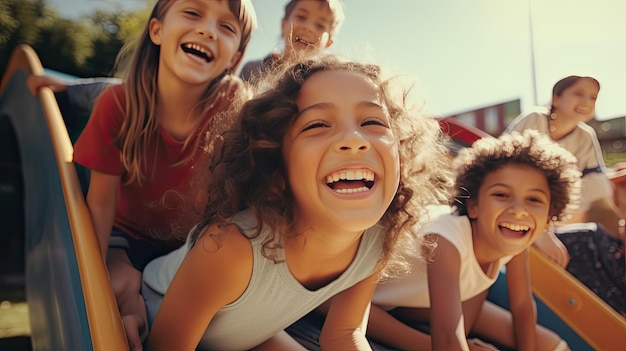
<point>522,305</point>
<point>386,329</point>
<point>346,321</point>
<point>447,322</point>
<point>606,213</point>
<point>35,81</point>
<point>280,342</point>
<point>102,200</point>
<point>194,296</point>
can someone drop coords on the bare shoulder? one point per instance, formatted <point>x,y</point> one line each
<point>223,240</point>
<point>225,251</point>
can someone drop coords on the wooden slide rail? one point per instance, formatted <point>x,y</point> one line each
<point>582,310</point>
<point>103,318</point>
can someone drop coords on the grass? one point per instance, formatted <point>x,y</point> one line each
<point>613,158</point>
<point>14,319</point>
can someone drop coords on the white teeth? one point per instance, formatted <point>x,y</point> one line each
<point>302,40</point>
<point>195,47</point>
<point>360,174</point>
<point>352,191</point>
<point>515,227</point>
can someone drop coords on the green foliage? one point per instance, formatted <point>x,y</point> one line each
<point>86,47</point>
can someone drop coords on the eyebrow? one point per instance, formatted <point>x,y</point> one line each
<point>328,105</point>
<point>539,190</point>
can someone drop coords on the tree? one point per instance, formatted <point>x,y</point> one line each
<point>86,47</point>
<point>18,24</point>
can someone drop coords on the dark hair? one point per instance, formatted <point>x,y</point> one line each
<point>563,84</point>
<point>531,148</point>
<point>248,170</point>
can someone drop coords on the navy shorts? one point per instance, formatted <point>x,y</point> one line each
<point>597,260</point>
<point>140,252</point>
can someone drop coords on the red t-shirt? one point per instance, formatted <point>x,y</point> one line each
<point>165,199</point>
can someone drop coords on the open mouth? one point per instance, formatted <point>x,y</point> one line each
<point>197,50</point>
<point>302,41</point>
<point>514,229</point>
<point>351,181</point>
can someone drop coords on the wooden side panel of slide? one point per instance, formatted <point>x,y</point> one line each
<point>597,323</point>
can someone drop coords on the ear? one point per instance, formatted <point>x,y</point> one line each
<point>235,60</point>
<point>472,208</point>
<point>155,31</point>
<point>555,101</point>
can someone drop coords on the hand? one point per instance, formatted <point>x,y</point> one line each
<point>479,345</point>
<point>553,248</point>
<point>34,82</point>
<point>136,331</point>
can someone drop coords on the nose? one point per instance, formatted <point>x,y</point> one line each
<point>207,30</point>
<point>352,140</point>
<point>518,209</point>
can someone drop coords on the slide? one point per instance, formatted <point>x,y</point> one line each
<point>71,303</point>
<point>70,300</point>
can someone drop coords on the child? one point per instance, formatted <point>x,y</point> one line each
<point>593,252</point>
<point>326,163</point>
<point>146,134</point>
<point>307,28</point>
<point>507,192</point>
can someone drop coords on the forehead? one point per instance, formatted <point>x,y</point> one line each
<point>213,5</point>
<point>316,8</point>
<point>517,176</point>
<point>586,84</point>
<point>337,87</point>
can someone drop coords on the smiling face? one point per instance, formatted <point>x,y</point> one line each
<point>199,40</point>
<point>340,154</point>
<point>511,210</point>
<point>578,102</point>
<point>307,28</point>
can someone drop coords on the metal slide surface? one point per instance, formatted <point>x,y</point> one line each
<point>70,300</point>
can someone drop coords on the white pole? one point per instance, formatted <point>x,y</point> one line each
<point>533,70</point>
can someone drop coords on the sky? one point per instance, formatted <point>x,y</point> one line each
<point>465,54</point>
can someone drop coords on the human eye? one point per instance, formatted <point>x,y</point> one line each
<point>314,125</point>
<point>192,12</point>
<point>500,195</point>
<point>537,199</point>
<point>375,122</point>
<point>229,27</point>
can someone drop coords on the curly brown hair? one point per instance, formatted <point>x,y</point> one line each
<point>531,148</point>
<point>248,169</point>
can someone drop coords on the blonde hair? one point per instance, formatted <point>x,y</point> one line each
<point>139,127</point>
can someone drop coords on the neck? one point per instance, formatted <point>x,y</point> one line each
<point>560,127</point>
<point>316,259</point>
<point>177,108</point>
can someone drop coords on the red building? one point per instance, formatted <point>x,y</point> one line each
<point>492,119</point>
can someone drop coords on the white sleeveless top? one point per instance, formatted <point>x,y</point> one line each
<point>273,300</point>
